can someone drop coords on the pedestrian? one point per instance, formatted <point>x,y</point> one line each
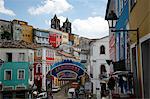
<point>65,90</point>
<point>121,83</point>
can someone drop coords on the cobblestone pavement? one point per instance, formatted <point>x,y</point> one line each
<point>62,94</point>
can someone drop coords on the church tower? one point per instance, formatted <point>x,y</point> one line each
<point>66,26</point>
<point>55,23</point>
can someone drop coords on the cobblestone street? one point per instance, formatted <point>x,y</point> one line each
<point>62,94</point>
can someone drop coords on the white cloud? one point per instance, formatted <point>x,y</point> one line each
<point>62,19</point>
<point>93,27</point>
<point>4,10</point>
<point>51,6</point>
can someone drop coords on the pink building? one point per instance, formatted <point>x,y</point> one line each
<point>55,38</point>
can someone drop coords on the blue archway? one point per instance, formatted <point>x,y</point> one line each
<point>67,70</point>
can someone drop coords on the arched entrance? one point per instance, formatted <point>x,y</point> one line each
<point>65,70</point>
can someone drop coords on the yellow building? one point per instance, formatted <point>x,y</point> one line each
<point>65,38</point>
<point>26,31</point>
<point>139,17</point>
<point>76,40</point>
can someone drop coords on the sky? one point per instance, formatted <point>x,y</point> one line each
<point>86,16</point>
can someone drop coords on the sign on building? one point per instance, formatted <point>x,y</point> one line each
<point>67,70</point>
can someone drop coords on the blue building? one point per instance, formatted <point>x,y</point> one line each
<point>122,11</point>
<point>16,69</point>
<point>15,78</point>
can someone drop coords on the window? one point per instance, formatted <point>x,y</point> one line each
<point>64,36</point>
<point>46,69</point>
<point>21,74</point>
<point>21,57</point>
<point>9,57</point>
<point>39,53</point>
<point>102,49</point>
<point>31,76</point>
<point>8,75</point>
<point>38,68</point>
<point>103,69</point>
<point>31,57</point>
<point>103,73</point>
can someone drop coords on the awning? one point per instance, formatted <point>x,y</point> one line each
<point>122,73</point>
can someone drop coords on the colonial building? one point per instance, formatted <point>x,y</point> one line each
<point>85,52</point>
<point>6,30</point>
<point>71,39</point>
<point>99,53</point>
<point>140,45</point>
<point>22,31</point>
<point>17,30</point>
<point>55,23</point>
<point>16,73</point>
<point>27,32</point>
<point>65,38</point>
<point>76,40</point>
<point>41,36</point>
<point>55,38</point>
<point>133,16</point>
<point>66,26</point>
<point>44,58</point>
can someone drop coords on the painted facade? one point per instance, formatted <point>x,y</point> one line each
<point>76,40</point>
<point>65,38</point>
<point>41,36</point>
<point>122,11</point>
<point>27,32</point>
<point>44,58</point>
<point>140,55</point>
<point>71,39</point>
<point>85,52</point>
<point>112,37</point>
<point>20,81</point>
<point>55,38</point>
<point>134,15</point>
<point>17,34</point>
<point>16,71</point>
<point>99,53</point>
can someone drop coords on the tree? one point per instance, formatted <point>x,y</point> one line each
<point>6,35</point>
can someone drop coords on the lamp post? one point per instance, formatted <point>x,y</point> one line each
<point>112,19</point>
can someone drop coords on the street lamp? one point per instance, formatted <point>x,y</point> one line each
<point>112,19</point>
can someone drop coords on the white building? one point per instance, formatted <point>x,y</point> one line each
<point>44,58</point>
<point>41,36</point>
<point>99,69</point>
